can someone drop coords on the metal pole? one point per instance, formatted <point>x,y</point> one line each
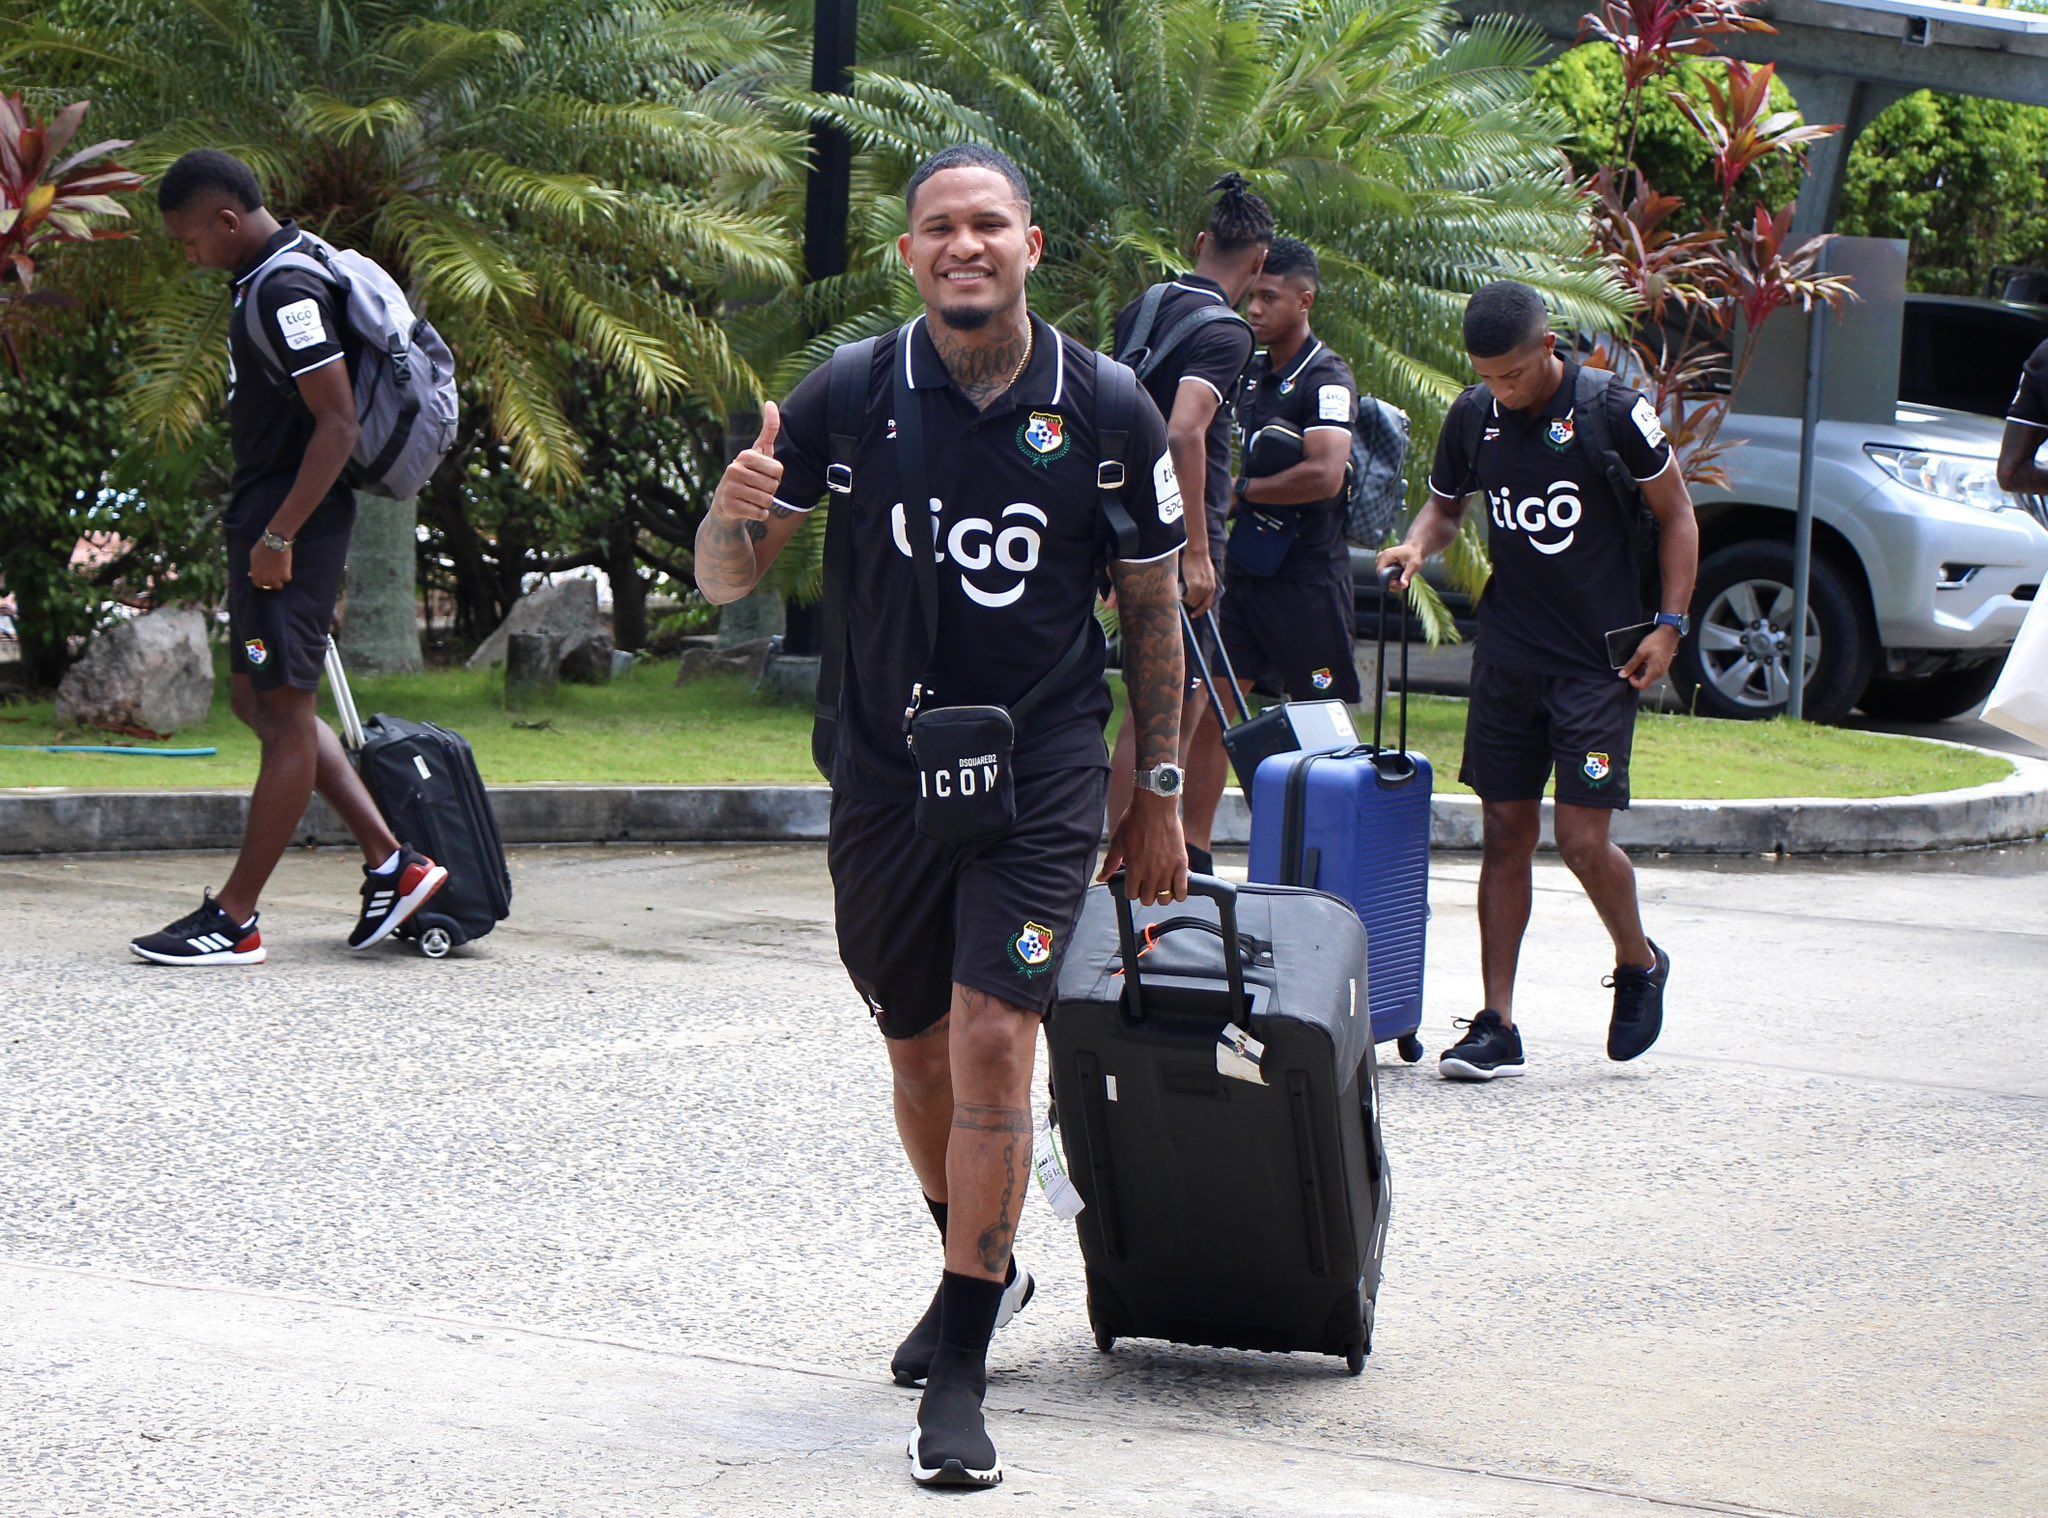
<point>830,185</point>
<point>827,192</point>
<point>1802,523</point>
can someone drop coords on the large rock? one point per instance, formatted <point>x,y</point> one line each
<point>154,673</point>
<point>566,614</point>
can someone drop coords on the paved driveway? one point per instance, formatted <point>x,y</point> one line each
<point>604,1218</point>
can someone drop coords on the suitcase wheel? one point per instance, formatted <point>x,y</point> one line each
<point>1411,1050</point>
<point>1105,1340</point>
<point>1354,1360</point>
<point>436,941</point>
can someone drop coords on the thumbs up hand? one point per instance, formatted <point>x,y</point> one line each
<point>746,492</point>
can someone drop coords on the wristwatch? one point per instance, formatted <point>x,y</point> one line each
<point>275,543</point>
<point>1674,619</point>
<point>1162,779</point>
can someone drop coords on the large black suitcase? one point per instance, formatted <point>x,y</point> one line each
<point>1242,1210</point>
<point>424,780</point>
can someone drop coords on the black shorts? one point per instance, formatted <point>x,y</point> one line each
<point>279,637</point>
<point>1520,726</point>
<point>916,918</point>
<point>1296,637</point>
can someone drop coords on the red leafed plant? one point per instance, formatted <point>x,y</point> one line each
<point>44,201</point>
<point>1706,291</point>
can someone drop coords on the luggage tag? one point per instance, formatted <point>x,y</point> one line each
<point>1240,1056</point>
<point>1051,1166</point>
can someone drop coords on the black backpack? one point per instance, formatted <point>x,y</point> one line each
<point>1145,359</point>
<point>1594,430</point>
<point>846,391</point>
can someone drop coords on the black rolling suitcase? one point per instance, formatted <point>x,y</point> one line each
<point>425,782</point>
<point>1232,1196</point>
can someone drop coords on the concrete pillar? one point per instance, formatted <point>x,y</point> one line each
<point>1831,98</point>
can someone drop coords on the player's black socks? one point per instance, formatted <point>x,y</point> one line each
<point>968,1306</point>
<point>938,1214</point>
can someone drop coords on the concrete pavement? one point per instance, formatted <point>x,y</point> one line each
<point>604,1217</point>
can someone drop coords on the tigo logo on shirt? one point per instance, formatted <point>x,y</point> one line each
<point>300,324</point>
<point>1533,515</point>
<point>975,544</point>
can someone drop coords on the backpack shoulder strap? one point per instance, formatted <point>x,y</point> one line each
<point>1182,330</point>
<point>259,330</point>
<point>1591,397</point>
<point>1116,406</point>
<point>846,389</point>
<point>1134,349</point>
<point>1475,430</point>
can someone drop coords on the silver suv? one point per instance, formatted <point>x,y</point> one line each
<point>1922,566</point>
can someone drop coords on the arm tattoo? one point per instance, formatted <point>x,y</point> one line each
<point>1147,601</point>
<point>981,371</point>
<point>725,564</point>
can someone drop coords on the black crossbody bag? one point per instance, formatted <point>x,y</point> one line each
<point>963,754</point>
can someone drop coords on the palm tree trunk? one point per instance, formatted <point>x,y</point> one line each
<point>380,634</point>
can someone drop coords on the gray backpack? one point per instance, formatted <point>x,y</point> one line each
<point>404,374</point>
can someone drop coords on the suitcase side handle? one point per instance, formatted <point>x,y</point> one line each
<point>1394,765</point>
<point>1224,894</point>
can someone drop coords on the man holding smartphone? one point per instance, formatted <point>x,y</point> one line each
<point>1565,469</point>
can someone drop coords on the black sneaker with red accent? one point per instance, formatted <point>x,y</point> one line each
<point>392,896</point>
<point>205,937</point>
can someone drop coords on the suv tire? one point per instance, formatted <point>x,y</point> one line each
<point>1734,661</point>
<point>1931,698</point>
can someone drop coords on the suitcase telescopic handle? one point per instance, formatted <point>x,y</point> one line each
<point>344,700</point>
<point>1394,765</point>
<point>1224,894</point>
<point>1188,630</point>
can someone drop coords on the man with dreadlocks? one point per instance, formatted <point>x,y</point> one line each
<point>1189,348</point>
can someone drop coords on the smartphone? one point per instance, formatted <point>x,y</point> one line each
<point>1623,642</point>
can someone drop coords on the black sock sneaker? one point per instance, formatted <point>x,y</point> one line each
<point>1490,1049</point>
<point>1638,1007</point>
<point>950,1445</point>
<point>913,1360</point>
<point>205,937</point>
<point>392,896</point>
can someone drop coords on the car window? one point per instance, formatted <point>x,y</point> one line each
<point>1965,358</point>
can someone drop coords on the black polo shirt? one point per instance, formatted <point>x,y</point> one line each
<point>1022,539</point>
<point>1214,355</point>
<point>269,426</point>
<point>1564,570</point>
<point>1314,393</point>
<point>2030,402</point>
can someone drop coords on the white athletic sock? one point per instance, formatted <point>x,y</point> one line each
<point>388,865</point>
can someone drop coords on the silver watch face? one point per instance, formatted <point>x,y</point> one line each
<point>1163,780</point>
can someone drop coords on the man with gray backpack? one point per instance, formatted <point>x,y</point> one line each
<point>332,384</point>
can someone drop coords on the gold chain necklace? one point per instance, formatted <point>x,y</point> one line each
<point>1017,373</point>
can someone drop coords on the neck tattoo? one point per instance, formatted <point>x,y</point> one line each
<point>983,372</point>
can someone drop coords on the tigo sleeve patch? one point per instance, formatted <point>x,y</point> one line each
<point>301,325</point>
<point>1333,404</point>
<point>1166,486</point>
<point>1644,415</point>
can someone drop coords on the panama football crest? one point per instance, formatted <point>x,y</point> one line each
<point>1031,949</point>
<point>1598,768</point>
<point>1559,433</point>
<point>1043,436</point>
<point>256,651</point>
<point>1322,679</point>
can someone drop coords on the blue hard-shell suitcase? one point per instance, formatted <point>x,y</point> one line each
<point>1356,824</point>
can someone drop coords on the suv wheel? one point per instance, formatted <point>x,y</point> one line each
<point>1736,661</point>
<point>1931,698</point>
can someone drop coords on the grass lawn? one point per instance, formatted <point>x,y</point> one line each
<point>645,729</point>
